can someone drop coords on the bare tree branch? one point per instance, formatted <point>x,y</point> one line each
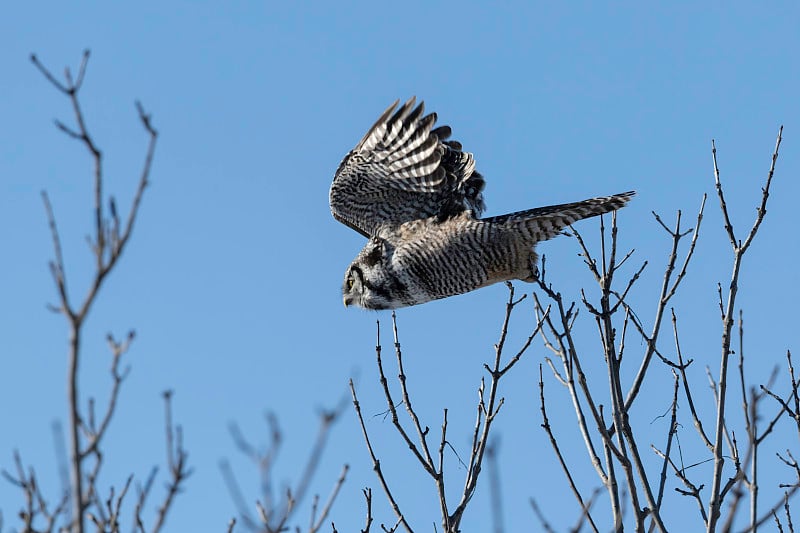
<point>176,462</point>
<point>88,427</point>
<point>376,465</point>
<point>739,250</point>
<point>275,515</point>
<point>554,443</point>
<point>668,288</point>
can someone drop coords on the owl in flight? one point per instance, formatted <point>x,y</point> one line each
<point>418,199</point>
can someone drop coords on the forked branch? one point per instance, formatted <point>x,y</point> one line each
<point>107,243</point>
<point>489,405</point>
<point>738,248</point>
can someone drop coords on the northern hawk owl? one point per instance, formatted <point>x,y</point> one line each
<point>418,199</point>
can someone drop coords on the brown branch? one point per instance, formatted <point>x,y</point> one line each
<point>425,461</point>
<point>327,419</point>
<point>368,497</point>
<point>715,391</point>
<point>585,513</point>
<point>263,460</point>
<point>721,196</point>
<point>495,493</point>
<point>761,211</point>
<point>739,250</point>
<point>795,384</point>
<point>680,473</point>
<point>788,513</point>
<point>543,521</point>
<point>176,462</point>
<point>145,118</point>
<point>588,260</point>
<point>105,259</point>
<point>439,478</point>
<point>143,492</point>
<point>554,443</point>
<point>668,289</point>
<point>490,409</point>
<point>572,366</point>
<point>274,516</point>
<point>673,429</point>
<point>35,505</point>
<point>118,349</point>
<point>698,424</point>
<point>783,502</point>
<point>792,411</point>
<point>326,509</point>
<point>376,465</point>
<point>628,457</point>
<point>236,495</point>
<point>489,406</point>
<point>633,464</point>
<point>57,266</point>
<point>621,297</point>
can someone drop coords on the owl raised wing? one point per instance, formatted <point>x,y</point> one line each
<point>405,170</point>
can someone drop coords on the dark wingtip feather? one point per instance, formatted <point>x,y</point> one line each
<point>381,120</point>
<point>427,122</point>
<point>404,110</point>
<point>414,115</point>
<point>442,132</point>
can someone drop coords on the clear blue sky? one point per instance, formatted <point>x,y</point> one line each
<point>232,278</point>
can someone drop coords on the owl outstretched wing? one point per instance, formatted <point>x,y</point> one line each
<point>402,170</point>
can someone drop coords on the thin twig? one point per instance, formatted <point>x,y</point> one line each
<point>376,465</point>
<point>326,509</point>
<point>542,520</point>
<point>668,288</point>
<point>564,467</point>
<point>105,254</point>
<point>490,408</point>
<point>739,248</point>
<point>176,462</point>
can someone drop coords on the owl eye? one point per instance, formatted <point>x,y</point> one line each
<point>354,272</point>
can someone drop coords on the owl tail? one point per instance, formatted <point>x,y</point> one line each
<point>544,223</point>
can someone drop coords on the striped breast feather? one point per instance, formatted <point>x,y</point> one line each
<point>404,169</point>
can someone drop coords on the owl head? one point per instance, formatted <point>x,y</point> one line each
<point>369,281</point>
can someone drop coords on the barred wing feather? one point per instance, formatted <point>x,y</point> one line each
<point>403,169</point>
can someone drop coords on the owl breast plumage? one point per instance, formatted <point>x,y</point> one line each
<point>418,199</point>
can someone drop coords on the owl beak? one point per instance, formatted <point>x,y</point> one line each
<point>346,302</point>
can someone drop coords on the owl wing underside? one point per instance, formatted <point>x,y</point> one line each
<point>402,170</point>
<point>547,222</point>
